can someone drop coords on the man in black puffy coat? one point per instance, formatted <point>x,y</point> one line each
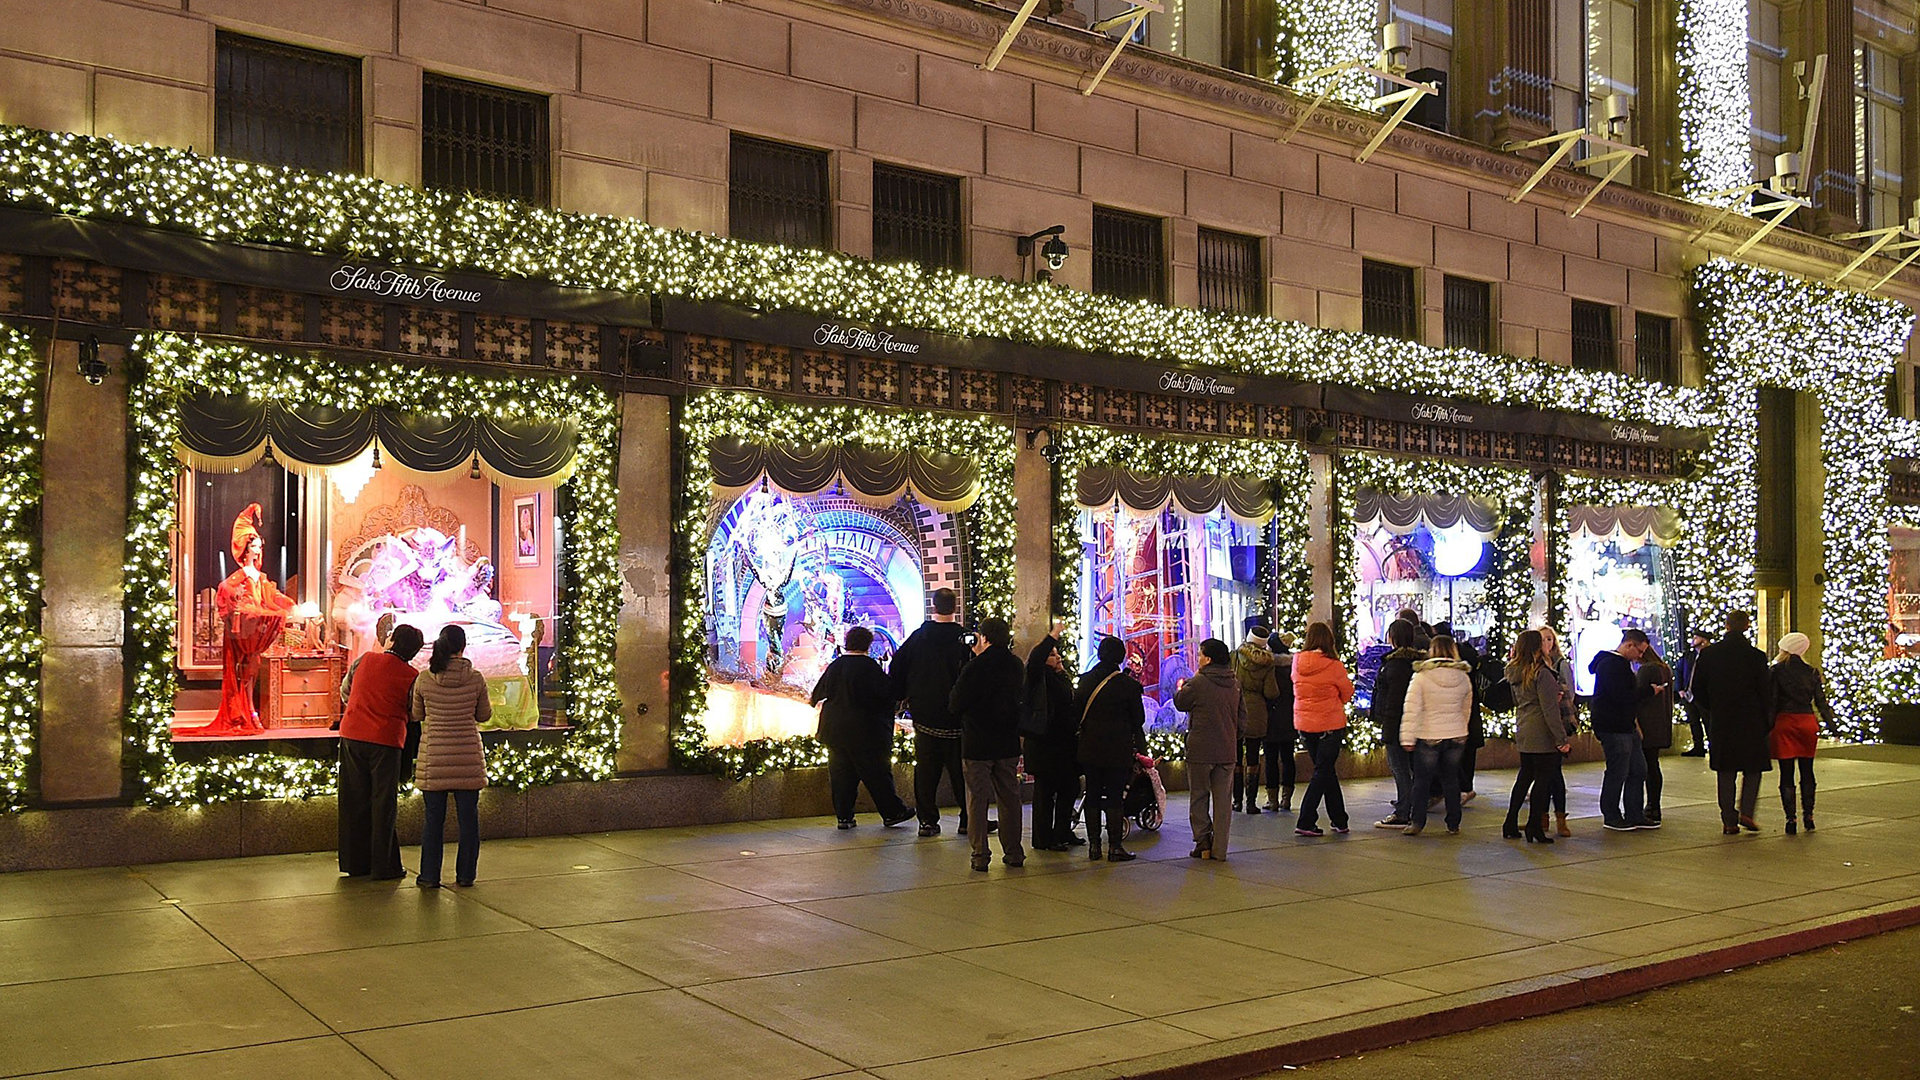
<point>856,727</point>
<point>924,668</point>
<point>986,697</point>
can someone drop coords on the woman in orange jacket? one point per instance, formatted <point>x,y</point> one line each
<point>1321,690</point>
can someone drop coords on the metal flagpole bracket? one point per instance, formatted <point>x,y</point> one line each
<point>1013,31</point>
<point>1405,98</point>
<point>1772,215</point>
<point>1881,239</point>
<point>1130,21</point>
<point>1619,154</point>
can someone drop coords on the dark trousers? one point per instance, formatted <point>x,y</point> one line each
<point>1323,748</point>
<point>848,769</point>
<point>1806,785</point>
<point>1701,727</point>
<point>1246,775</point>
<point>1557,794</point>
<point>1468,758</point>
<point>1400,764</point>
<point>1623,787</point>
<point>1437,763</point>
<point>1655,781</point>
<point>1107,795</point>
<point>934,756</point>
<point>1730,814</point>
<point>1281,768</point>
<point>1056,785</point>
<point>369,791</point>
<point>466,863</point>
<point>1539,775</point>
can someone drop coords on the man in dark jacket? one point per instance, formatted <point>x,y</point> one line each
<point>1388,705</point>
<point>924,668</point>
<point>1052,757</point>
<point>1476,721</point>
<point>1615,713</point>
<point>856,727</point>
<point>986,698</point>
<point>1113,732</point>
<point>1731,684</point>
<point>1683,678</point>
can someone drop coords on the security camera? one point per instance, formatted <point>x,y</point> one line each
<point>1396,43</point>
<point>92,368</point>
<point>1055,251</point>
<point>1619,112</point>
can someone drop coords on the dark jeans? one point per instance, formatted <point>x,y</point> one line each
<point>1730,814</point>
<point>1701,727</point>
<point>1655,781</point>
<point>1437,762</point>
<point>1557,794</point>
<point>1400,764</point>
<point>1539,773</point>
<point>1623,787</point>
<point>934,755</point>
<point>1056,784</point>
<point>1323,748</point>
<point>466,863</point>
<point>1806,785</point>
<point>1281,768</point>
<point>1469,756</point>
<point>848,769</point>
<point>369,790</point>
<point>1107,794</point>
<point>1246,775</point>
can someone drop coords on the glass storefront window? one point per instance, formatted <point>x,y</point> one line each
<point>1903,593</point>
<point>1618,566</point>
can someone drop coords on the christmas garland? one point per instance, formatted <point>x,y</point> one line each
<point>21,439</point>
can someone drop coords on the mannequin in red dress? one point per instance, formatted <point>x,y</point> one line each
<point>252,610</point>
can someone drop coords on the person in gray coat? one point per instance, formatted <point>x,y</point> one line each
<point>450,703</point>
<point>1216,724</point>
<point>1541,733</point>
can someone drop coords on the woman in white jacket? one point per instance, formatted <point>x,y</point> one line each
<point>1434,728</point>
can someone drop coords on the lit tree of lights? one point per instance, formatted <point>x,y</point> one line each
<point>166,367</point>
<point>1316,34</point>
<point>1763,328</point>
<point>20,486</point>
<point>755,419</point>
<point>1713,104</point>
<point>1284,574</point>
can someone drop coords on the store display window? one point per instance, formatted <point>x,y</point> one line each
<point>1619,565</point>
<point>1903,592</point>
<point>1430,553</point>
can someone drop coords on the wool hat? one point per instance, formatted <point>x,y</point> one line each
<point>1287,639</point>
<point>1258,633</point>
<point>1795,644</point>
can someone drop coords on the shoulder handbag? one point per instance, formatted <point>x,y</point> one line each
<point>1088,707</point>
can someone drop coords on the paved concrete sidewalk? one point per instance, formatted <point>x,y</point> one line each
<point>786,949</point>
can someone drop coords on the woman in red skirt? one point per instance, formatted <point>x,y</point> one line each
<point>1799,704</point>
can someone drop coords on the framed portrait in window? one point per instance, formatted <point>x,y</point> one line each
<point>526,530</point>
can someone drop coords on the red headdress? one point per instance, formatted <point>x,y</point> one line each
<point>246,529</point>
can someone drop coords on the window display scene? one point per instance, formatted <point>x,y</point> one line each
<point>1165,564</point>
<point>1903,592</point>
<point>1619,563</point>
<point>306,536</point>
<point>806,543</point>
<point>1430,553</point>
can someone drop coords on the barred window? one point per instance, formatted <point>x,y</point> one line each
<point>778,194</point>
<point>1129,257</point>
<point>1469,314</point>
<point>1231,277</point>
<point>1593,337</point>
<point>916,217</point>
<point>277,105</point>
<point>483,139</point>
<point>1386,300</point>
<point>1653,351</point>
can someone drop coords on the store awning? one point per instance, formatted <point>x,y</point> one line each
<point>1404,513</point>
<point>1246,499</point>
<point>945,482</point>
<point>219,433</point>
<point>1656,524</point>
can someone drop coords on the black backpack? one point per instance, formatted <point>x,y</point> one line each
<point>1496,693</point>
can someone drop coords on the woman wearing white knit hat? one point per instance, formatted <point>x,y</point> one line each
<point>1799,704</point>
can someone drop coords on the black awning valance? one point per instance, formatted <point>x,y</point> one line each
<point>1401,513</point>
<point>1247,499</point>
<point>943,481</point>
<point>220,432</point>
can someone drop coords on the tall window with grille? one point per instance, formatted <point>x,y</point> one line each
<point>1593,347</point>
<point>484,139</point>
<point>1468,314</point>
<point>1774,465</point>
<point>1129,255</point>
<point>1613,57</point>
<point>1654,357</point>
<point>1386,300</point>
<point>916,217</point>
<point>778,194</point>
<point>278,105</point>
<point>1231,277</point>
<point>1878,119</point>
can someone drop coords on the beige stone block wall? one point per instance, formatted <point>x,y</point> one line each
<point>137,110</point>
<point>1032,545</point>
<point>54,97</point>
<point>642,641</point>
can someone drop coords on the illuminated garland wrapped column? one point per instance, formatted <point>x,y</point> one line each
<point>1315,34</point>
<point>21,439</point>
<point>1713,106</point>
<point>164,367</point>
<point>1764,328</point>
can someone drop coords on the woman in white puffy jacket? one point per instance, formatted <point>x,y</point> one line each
<point>1434,728</point>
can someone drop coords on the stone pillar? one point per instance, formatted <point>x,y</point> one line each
<point>642,642</point>
<point>1320,515</point>
<point>1032,542</point>
<point>83,536</point>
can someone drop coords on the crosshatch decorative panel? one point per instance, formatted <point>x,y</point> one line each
<point>1241,419</point>
<point>1350,430</point>
<point>1201,414</point>
<point>1078,402</point>
<point>352,324</point>
<point>503,339</point>
<point>709,360</point>
<point>1280,421</point>
<point>573,346</point>
<point>1417,439</point>
<point>1382,434</point>
<point>876,380</point>
<point>1533,449</point>
<point>823,373</point>
<point>1476,444</point>
<point>1562,453</point>
<point>766,367</point>
<point>272,314</point>
<point>13,282</point>
<point>88,292</point>
<point>192,306</point>
<point>977,391</point>
<point>1029,396</point>
<point>1159,412</point>
<point>928,386</point>
<point>1508,447</point>
<point>430,332</point>
<point>1446,441</point>
<point>1119,407</point>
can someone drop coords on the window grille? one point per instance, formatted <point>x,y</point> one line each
<point>1231,277</point>
<point>1386,300</point>
<point>1593,337</point>
<point>916,217</point>
<point>278,105</point>
<point>778,194</point>
<point>1653,350</point>
<point>1129,259</point>
<point>483,139</point>
<point>1469,314</point>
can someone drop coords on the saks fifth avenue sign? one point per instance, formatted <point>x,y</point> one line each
<point>398,285</point>
<point>861,339</point>
<point>1187,382</point>
<point>1627,433</point>
<point>1436,413</point>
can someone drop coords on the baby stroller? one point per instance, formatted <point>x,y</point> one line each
<point>1146,801</point>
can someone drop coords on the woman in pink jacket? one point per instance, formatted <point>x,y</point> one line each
<point>1321,690</point>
